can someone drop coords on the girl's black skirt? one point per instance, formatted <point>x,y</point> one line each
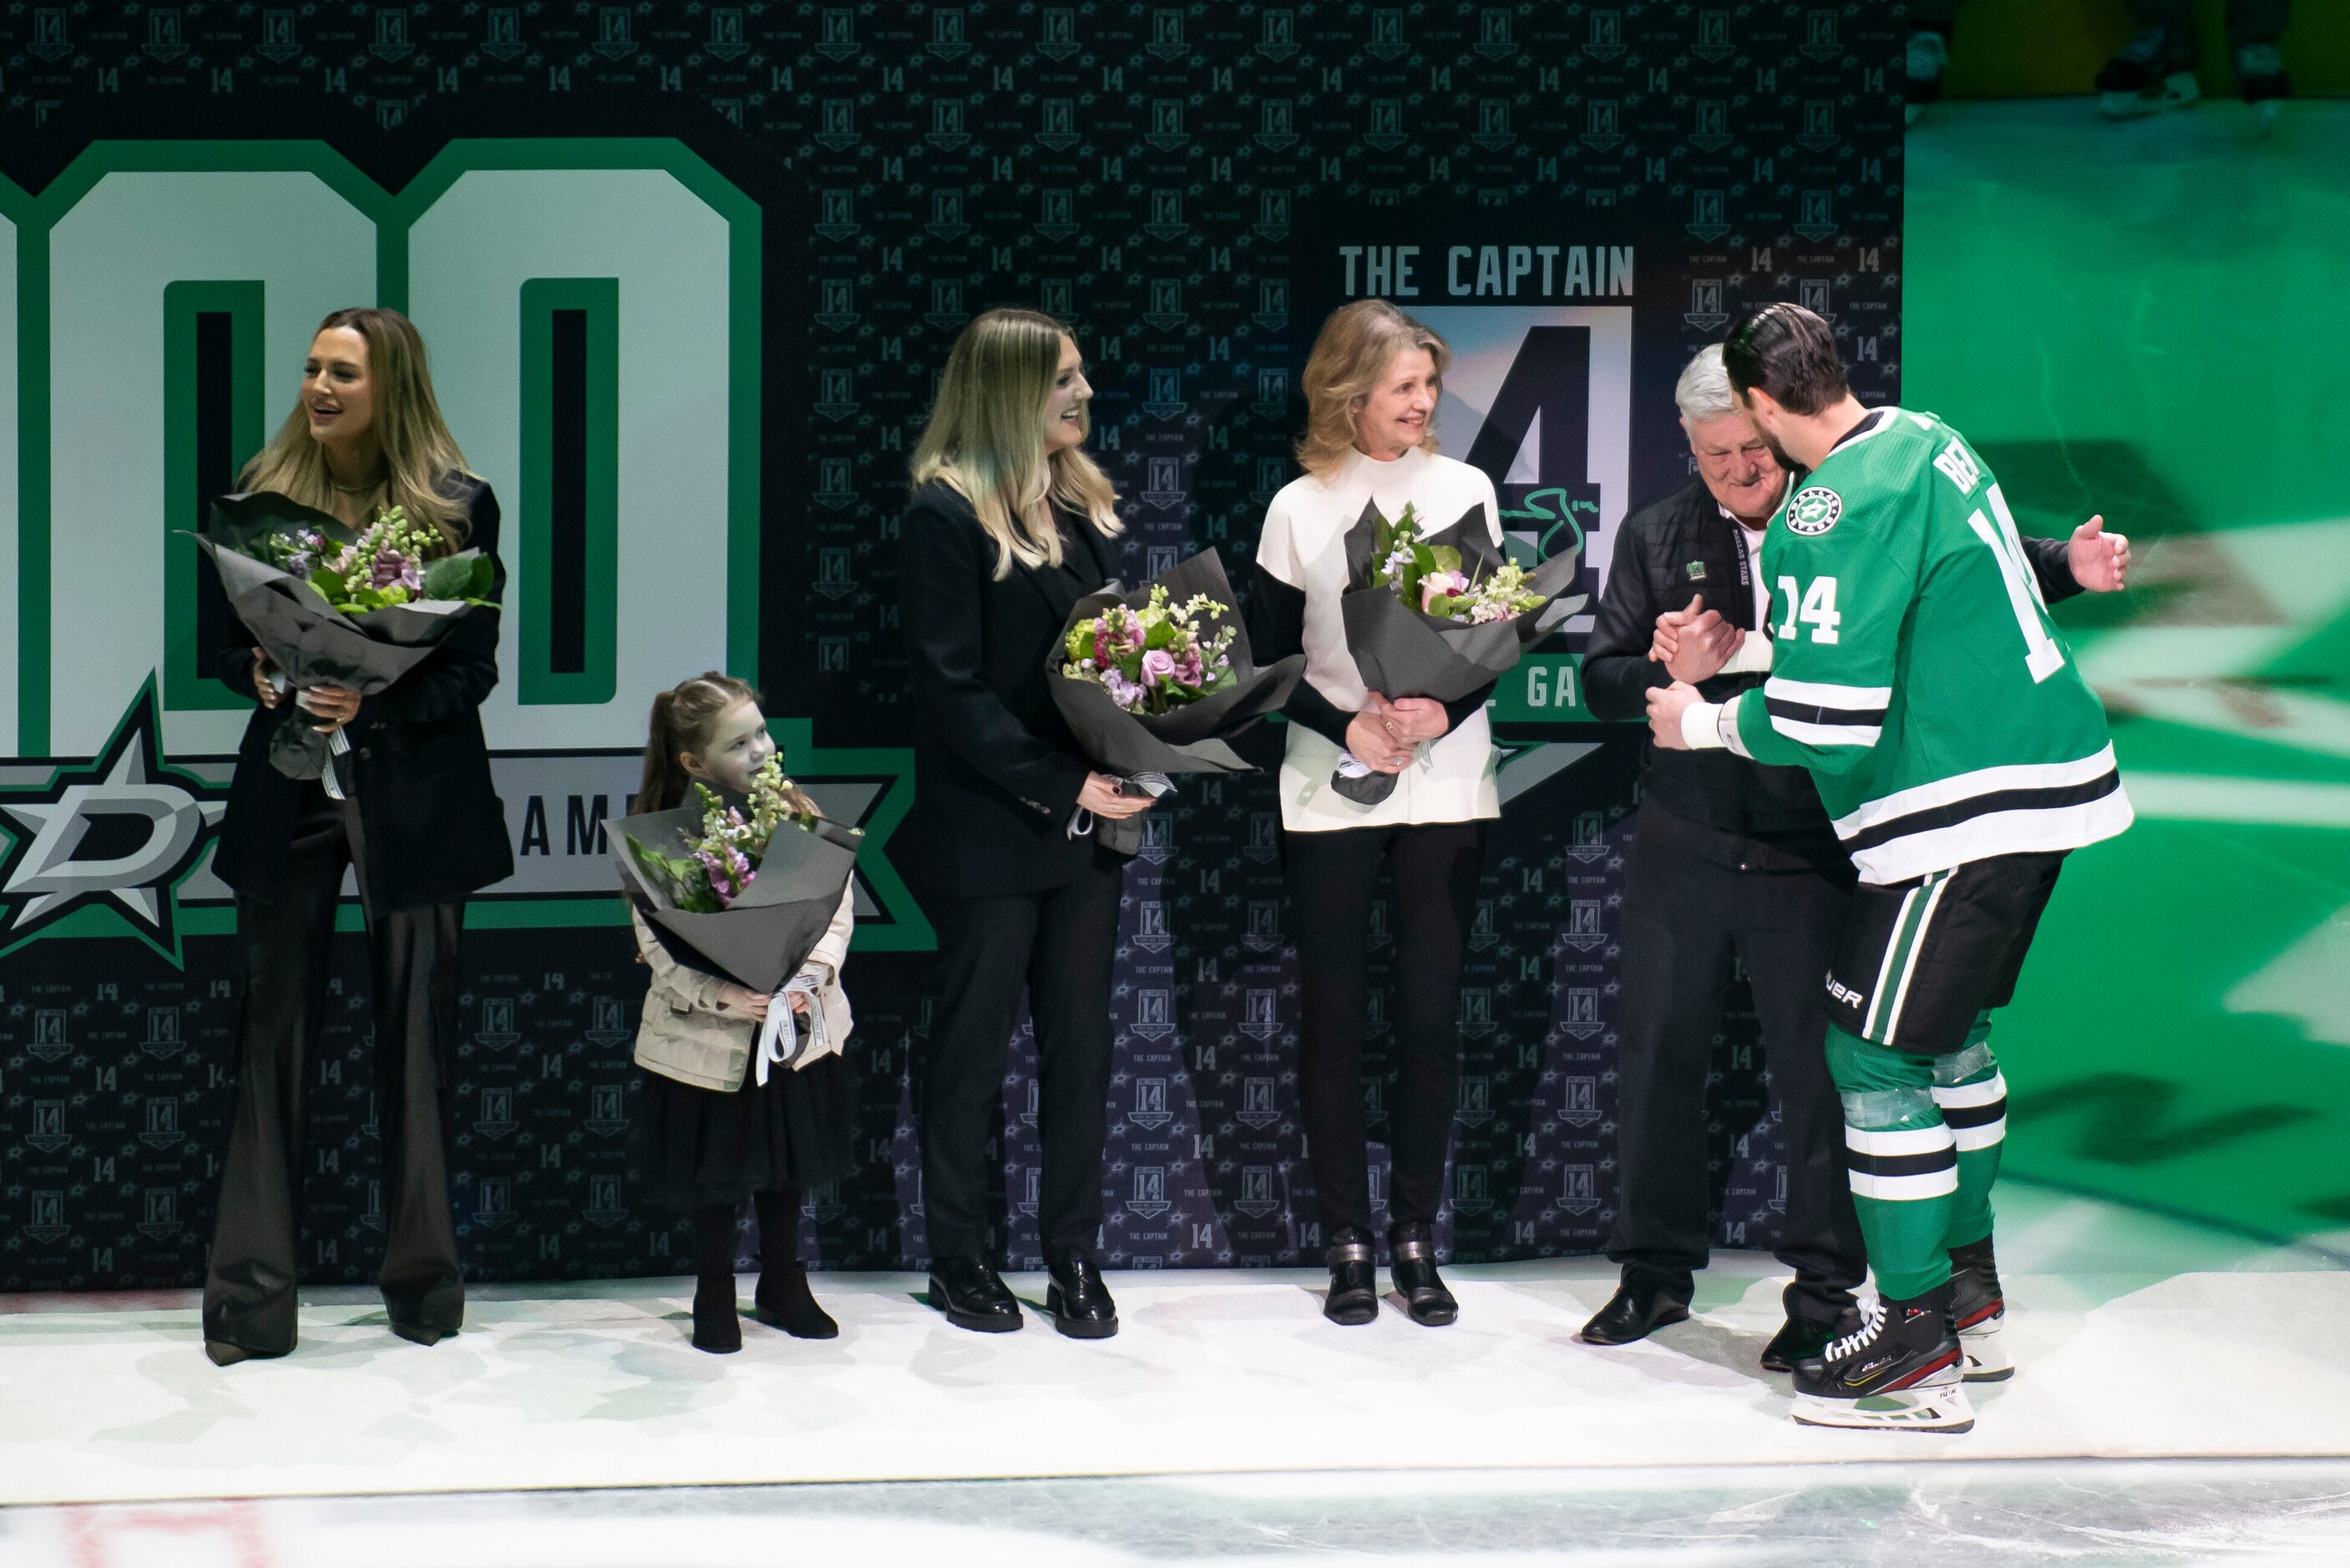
<point>699,1147</point>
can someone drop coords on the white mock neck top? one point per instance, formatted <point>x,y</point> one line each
<point>1303,547</point>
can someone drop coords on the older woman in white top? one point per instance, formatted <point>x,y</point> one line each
<point>1372,384</point>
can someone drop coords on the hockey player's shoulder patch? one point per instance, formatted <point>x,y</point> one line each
<point>1813,511</point>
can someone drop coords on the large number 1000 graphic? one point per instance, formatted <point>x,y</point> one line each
<point>156,304</point>
<point>168,295</point>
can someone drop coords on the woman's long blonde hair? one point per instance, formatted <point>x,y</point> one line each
<point>1351,355</point>
<point>986,438</point>
<point>419,455</point>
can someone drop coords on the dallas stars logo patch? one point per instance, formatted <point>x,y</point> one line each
<point>113,836</point>
<point>1813,511</point>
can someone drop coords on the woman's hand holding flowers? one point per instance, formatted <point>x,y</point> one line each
<point>338,705</point>
<point>265,679</point>
<point>1102,797</point>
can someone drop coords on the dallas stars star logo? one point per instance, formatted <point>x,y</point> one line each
<point>113,837</point>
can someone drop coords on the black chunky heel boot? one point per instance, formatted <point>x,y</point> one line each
<point>1354,1298</point>
<point>1411,1260</point>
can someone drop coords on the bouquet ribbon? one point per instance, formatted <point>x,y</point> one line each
<point>779,1035</point>
<point>337,745</point>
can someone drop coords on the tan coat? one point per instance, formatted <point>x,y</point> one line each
<point>688,1035</point>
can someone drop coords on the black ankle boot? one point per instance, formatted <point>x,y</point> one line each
<point>1411,1258</point>
<point>782,1299</point>
<point>717,1322</point>
<point>1354,1298</point>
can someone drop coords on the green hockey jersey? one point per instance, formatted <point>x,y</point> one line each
<point>1915,671</point>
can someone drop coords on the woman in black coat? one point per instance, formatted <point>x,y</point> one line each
<point>419,820</point>
<point>1009,526</point>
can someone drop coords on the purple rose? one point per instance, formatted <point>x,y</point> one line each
<point>1157,666</point>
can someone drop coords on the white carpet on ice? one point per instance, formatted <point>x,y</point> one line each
<point>110,1398</point>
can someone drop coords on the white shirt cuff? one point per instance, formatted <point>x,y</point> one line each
<point>1702,727</point>
<point>1753,658</point>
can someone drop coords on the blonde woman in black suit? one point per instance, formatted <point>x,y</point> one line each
<point>1010,524</point>
<point>421,825</point>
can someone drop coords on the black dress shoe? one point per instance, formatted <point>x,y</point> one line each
<point>973,1295</point>
<point>1803,1338</point>
<point>1639,1307</point>
<point>224,1353</point>
<point>1354,1298</point>
<point>1078,1300</point>
<point>1411,1260</point>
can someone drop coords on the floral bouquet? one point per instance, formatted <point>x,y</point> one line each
<point>1157,681</point>
<point>1440,614</point>
<point>1429,577</point>
<point>741,886</point>
<point>1157,659</point>
<point>332,605</point>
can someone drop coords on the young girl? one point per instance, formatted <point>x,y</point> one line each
<point>709,1134</point>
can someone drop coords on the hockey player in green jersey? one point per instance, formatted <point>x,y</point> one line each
<point>1916,673</point>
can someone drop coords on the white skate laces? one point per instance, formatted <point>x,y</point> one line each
<point>1872,1324</point>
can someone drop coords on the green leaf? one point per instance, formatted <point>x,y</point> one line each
<point>465,576</point>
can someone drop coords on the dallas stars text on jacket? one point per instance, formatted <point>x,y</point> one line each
<point>1916,671</point>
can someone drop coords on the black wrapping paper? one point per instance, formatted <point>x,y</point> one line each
<point>310,640</point>
<point>1193,739</point>
<point>763,936</point>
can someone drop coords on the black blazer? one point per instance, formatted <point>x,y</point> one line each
<point>429,816</point>
<point>996,771</point>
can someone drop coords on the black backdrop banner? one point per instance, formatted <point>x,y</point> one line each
<point>689,273</point>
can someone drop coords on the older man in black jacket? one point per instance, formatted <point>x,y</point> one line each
<point>1734,857</point>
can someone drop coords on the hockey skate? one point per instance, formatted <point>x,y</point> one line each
<point>2153,72</point>
<point>1979,1313</point>
<point>1902,1369</point>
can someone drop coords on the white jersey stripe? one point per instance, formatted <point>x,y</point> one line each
<point>1898,1140</point>
<point>1905,1188</point>
<point>1827,735</point>
<point>1987,1136</point>
<point>1982,781</point>
<point>1820,694</point>
<point>1997,833</point>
